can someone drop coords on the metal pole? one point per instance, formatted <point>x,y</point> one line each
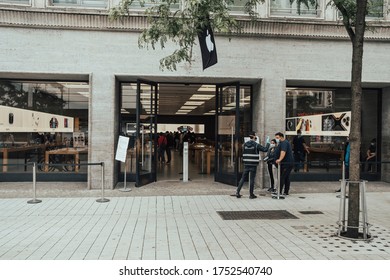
<point>277,196</point>
<point>142,145</point>
<point>34,200</point>
<point>202,168</point>
<point>342,201</point>
<point>102,199</point>
<point>364,209</point>
<point>150,156</point>
<point>125,179</point>
<point>344,186</point>
<point>231,150</point>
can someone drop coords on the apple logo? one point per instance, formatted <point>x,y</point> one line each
<point>209,43</point>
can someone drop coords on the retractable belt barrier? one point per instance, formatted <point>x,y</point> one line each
<point>34,176</point>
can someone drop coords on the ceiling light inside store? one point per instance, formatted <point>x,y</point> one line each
<point>207,88</point>
<point>202,96</point>
<point>184,107</point>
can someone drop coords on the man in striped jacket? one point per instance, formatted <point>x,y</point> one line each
<point>251,159</point>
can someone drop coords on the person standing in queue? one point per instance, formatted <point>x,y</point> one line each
<point>285,160</point>
<point>271,166</point>
<point>251,159</point>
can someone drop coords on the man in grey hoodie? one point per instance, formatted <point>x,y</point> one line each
<point>251,159</point>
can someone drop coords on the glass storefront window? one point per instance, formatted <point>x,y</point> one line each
<point>288,8</point>
<point>46,123</point>
<point>245,119</point>
<point>323,116</point>
<point>82,3</point>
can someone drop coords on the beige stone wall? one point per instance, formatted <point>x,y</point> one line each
<point>102,55</point>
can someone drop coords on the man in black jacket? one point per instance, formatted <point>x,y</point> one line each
<point>251,159</point>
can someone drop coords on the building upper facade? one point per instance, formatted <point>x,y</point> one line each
<point>276,17</point>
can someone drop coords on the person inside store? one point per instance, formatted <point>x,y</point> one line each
<point>161,146</point>
<point>300,150</point>
<point>271,165</point>
<point>251,159</point>
<point>285,160</point>
<point>170,145</point>
<point>371,155</point>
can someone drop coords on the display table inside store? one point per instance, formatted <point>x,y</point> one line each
<point>65,151</point>
<point>324,155</point>
<point>15,149</point>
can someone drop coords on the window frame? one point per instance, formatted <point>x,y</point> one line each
<point>50,4</point>
<point>320,10</point>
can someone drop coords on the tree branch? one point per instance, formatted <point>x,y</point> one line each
<point>346,18</point>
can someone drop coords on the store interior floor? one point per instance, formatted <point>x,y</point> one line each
<point>173,170</point>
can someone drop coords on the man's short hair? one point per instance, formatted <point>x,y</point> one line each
<point>279,134</point>
<point>252,133</point>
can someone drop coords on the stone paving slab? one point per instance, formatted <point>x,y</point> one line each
<point>185,227</point>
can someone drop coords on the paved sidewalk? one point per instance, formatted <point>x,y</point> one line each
<point>185,226</point>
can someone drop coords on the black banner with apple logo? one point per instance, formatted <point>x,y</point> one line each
<point>207,46</point>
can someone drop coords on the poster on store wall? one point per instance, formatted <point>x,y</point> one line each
<point>22,120</point>
<point>226,125</point>
<point>78,139</point>
<point>332,124</point>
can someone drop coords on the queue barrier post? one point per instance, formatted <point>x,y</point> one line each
<point>277,195</point>
<point>102,199</point>
<point>125,179</point>
<point>34,173</point>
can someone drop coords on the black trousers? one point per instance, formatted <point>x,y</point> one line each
<point>168,151</point>
<point>271,175</point>
<point>285,171</point>
<point>248,170</point>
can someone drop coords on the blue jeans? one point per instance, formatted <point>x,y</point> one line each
<point>248,170</point>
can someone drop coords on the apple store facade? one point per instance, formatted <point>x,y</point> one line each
<point>72,82</point>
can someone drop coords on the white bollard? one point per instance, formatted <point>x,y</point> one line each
<point>185,162</point>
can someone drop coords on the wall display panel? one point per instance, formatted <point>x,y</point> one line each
<point>22,120</point>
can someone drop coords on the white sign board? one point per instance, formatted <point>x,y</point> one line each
<point>121,150</point>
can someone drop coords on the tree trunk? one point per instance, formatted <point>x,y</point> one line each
<point>355,135</point>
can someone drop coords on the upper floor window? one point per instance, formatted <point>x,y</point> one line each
<point>375,8</point>
<point>137,4</point>
<point>82,3</point>
<point>288,8</point>
<point>14,1</point>
<point>237,6</point>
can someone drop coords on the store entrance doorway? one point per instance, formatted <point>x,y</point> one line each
<point>159,117</point>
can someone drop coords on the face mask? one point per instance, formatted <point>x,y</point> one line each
<point>277,140</point>
<point>272,145</point>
